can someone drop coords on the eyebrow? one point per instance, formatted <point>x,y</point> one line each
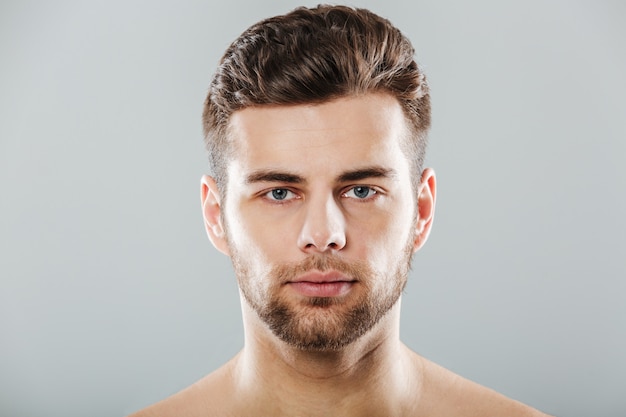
<point>274,176</point>
<point>367,172</point>
<point>359,174</point>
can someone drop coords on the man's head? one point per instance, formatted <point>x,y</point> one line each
<point>316,124</point>
<point>312,56</point>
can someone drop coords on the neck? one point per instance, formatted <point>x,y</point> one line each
<point>374,370</point>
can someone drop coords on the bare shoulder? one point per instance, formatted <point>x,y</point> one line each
<point>445,393</point>
<point>206,397</point>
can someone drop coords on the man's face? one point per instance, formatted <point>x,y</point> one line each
<point>320,217</point>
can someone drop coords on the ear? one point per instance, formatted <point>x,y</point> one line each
<point>425,208</point>
<point>211,211</point>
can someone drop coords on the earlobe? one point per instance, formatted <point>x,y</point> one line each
<point>211,211</point>
<point>425,208</point>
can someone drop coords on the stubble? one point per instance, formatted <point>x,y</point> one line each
<point>323,323</point>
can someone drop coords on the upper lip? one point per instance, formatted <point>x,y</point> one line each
<point>321,277</point>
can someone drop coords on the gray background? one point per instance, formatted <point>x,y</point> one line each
<point>112,298</point>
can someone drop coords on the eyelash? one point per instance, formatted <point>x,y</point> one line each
<point>267,195</point>
<point>372,191</point>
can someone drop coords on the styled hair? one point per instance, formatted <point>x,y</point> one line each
<point>310,56</point>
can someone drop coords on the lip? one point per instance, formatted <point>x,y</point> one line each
<point>318,284</point>
<point>323,277</point>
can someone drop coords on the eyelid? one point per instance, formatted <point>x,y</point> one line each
<point>376,192</point>
<point>266,194</point>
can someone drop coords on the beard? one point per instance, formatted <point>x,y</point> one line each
<point>322,323</point>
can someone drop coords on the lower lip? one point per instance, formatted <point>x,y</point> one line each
<point>321,289</point>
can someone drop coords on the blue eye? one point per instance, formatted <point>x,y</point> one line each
<point>360,192</point>
<point>279,194</point>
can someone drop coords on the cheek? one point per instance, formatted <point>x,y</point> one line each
<point>382,238</point>
<point>259,239</point>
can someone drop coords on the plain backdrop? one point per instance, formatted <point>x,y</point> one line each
<point>111,296</point>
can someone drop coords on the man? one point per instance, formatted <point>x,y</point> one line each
<point>316,125</point>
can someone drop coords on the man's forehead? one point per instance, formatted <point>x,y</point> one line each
<point>369,112</point>
<point>328,138</point>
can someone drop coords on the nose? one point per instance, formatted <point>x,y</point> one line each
<point>323,228</point>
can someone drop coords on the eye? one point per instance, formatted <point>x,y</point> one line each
<point>279,194</point>
<point>360,192</point>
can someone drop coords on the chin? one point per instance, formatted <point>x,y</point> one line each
<point>323,324</point>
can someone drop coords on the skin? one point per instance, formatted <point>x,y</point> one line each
<point>323,216</point>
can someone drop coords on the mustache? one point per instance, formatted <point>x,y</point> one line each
<point>357,270</point>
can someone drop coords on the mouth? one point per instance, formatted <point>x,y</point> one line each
<point>322,284</point>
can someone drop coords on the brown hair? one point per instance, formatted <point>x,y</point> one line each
<point>311,56</point>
